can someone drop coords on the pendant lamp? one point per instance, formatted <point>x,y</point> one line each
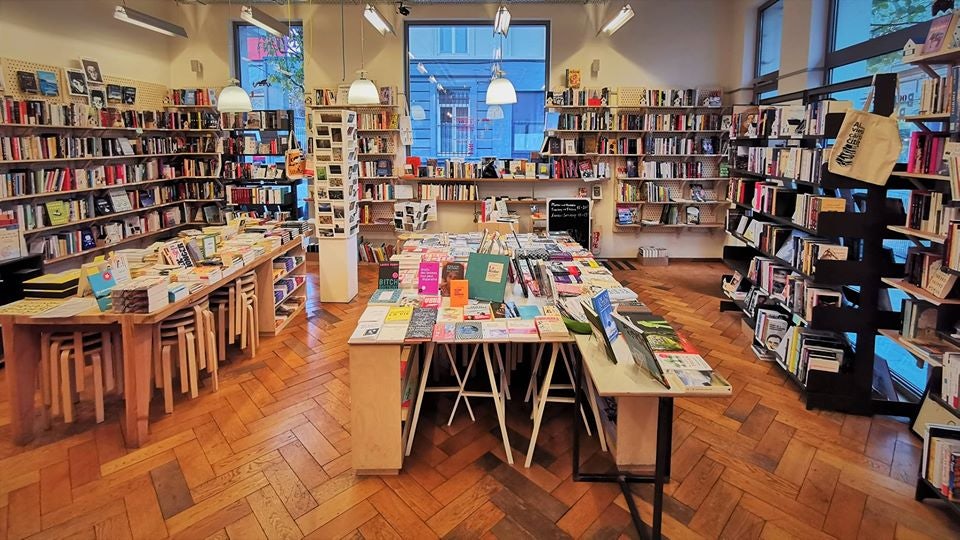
<point>500,91</point>
<point>363,91</point>
<point>232,98</point>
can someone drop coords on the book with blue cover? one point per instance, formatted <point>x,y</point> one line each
<point>604,309</point>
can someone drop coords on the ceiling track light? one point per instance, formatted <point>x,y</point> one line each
<point>620,19</point>
<point>261,20</point>
<point>141,19</point>
<point>501,23</point>
<point>373,16</point>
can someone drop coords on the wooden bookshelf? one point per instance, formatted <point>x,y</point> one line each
<point>920,294</point>
<point>919,176</point>
<point>914,233</point>
<point>129,185</point>
<point>14,163</point>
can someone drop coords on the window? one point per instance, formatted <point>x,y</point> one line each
<point>449,68</point>
<point>270,69</point>
<point>769,30</point>
<point>857,21</point>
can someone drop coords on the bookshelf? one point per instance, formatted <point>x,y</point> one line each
<point>289,277</point>
<point>826,299</point>
<point>77,181</point>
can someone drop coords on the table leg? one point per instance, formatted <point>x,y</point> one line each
<point>21,354</point>
<point>137,346</point>
<point>541,403</point>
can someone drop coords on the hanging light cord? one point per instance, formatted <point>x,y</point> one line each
<point>343,46</point>
<point>361,44</point>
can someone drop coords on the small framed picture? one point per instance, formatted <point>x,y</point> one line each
<point>92,69</point>
<point>49,84</point>
<point>129,95</point>
<point>77,83</point>
<point>27,80</point>
<point>597,192</point>
<point>114,93</point>
<point>98,99</point>
<point>569,146</point>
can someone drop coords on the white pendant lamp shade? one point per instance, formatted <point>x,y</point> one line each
<point>501,92</point>
<point>417,112</point>
<point>234,99</point>
<point>495,112</point>
<point>363,92</point>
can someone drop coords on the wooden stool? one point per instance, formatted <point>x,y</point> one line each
<point>495,393</point>
<point>249,313</point>
<point>222,308</point>
<point>190,331</point>
<point>59,383</point>
<point>428,362</point>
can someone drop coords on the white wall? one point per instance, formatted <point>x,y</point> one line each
<point>680,43</point>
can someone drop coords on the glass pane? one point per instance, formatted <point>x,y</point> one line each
<point>853,26</point>
<point>450,85</point>
<point>771,24</point>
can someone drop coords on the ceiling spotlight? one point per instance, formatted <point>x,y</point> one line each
<point>376,19</point>
<point>620,19</point>
<point>501,23</point>
<point>402,9</point>
<point>138,18</point>
<point>263,21</point>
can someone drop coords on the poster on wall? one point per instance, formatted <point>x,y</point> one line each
<point>77,83</point>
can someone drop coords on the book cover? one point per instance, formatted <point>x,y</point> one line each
<point>937,34</point>
<point>550,326</point>
<point>495,330</point>
<point>428,279</point>
<point>374,313</point>
<point>398,314</point>
<point>430,302</point>
<point>450,272</point>
<point>57,212</point>
<point>459,292</point>
<point>393,332</point>
<point>366,332</point>
<point>479,311</point>
<point>604,309</point>
<point>468,331</point>
<point>445,331</point>
<point>450,314</point>
<point>523,330</point>
<point>529,312</point>
<point>385,296</point>
<point>389,275</point>
<point>487,276</point>
<point>100,284</point>
<point>421,324</point>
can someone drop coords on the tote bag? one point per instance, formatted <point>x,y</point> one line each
<point>405,125</point>
<point>867,146</point>
<point>294,161</point>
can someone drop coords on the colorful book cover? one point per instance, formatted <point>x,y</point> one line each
<point>520,329</point>
<point>550,327</point>
<point>529,312</point>
<point>937,34</point>
<point>57,212</point>
<point>477,312</point>
<point>428,279</point>
<point>421,324</point>
<point>399,314</point>
<point>445,331</point>
<point>100,284</point>
<point>603,307</point>
<point>389,276</point>
<point>487,275</point>
<point>495,330</point>
<point>385,296</point>
<point>468,331</point>
<point>450,314</point>
<point>450,272</point>
<point>459,292</point>
<point>430,302</point>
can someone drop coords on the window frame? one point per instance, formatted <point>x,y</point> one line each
<point>547,53</point>
<point>235,27</point>
<point>757,76</point>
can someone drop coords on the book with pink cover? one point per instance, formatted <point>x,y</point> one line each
<point>428,280</point>
<point>937,34</point>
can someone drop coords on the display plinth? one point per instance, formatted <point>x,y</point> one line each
<point>338,269</point>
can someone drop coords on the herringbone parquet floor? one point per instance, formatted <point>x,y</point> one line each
<point>269,456</point>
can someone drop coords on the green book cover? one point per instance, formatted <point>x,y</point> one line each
<point>57,212</point>
<point>487,276</point>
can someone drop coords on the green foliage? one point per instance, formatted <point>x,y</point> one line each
<point>892,15</point>
<point>284,58</point>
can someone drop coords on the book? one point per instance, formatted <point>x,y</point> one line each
<point>385,296</point>
<point>373,314</point>
<point>366,332</point>
<point>57,212</point>
<point>445,331</point>
<point>529,312</point>
<point>522,330</point>
<point>398,314</point>
<point>937,35</point>
<point>450,272</point>
<point>477,311</point>
<point>495,330</point>
<point>100,284</point>
<point>487,276</point>
<point>421,324</point>
<point>468,331</point>
<point>119,200</point>
<point>450,314</point>
<point>604,310</point>
<point>459,292</point>
<point>392,333</point>
<point>549,326</point>
<point>428,278</point>
<point>389,275</point>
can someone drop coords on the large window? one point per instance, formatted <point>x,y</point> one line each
<point>858,21</point>
<point>270,69</point>
<point>449,68</point>
<point>770,30</point>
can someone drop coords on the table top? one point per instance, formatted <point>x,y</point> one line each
<point>96,317</point>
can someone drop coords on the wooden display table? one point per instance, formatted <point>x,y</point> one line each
<point>21,338</point>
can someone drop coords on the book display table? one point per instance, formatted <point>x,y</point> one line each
<point>631,405</point>
<point>21,337</point>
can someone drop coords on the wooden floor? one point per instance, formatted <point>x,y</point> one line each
<point>269,456</point>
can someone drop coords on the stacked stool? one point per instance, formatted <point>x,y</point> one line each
<point>190,333</point>
<point>63,371</point>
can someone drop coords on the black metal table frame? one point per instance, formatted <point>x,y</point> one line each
<point>661,467</point>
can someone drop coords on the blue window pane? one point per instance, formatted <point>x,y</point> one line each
<point>861,20</point>
<point>771,26</point>
<point>448,73</point>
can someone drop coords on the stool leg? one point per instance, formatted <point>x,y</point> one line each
<point>182,355</point>
<point>243,326</point>
<point>222,333</point>
<point>45,389</point>
<point>232,309</point>
<point>118,361</point>
<point>97,361</point>
<point>192,363</point>
<point>213,363</point>
<point>107,365</point>
<point>65,390</point>
<point>541,404</point>
<point>255,317</point>
<point>200,337</point>
<point>166,364</point>
<point>80,370</point>
<point>498,403</point>
<point>423,386</point>
<point>55,389</point>
<point>157,371</point>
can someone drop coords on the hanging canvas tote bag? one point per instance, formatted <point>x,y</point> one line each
<point>867,146</point>
<point>405,125</point>
<point>294,161</point>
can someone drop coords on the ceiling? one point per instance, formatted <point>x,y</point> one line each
<point>408,2</point>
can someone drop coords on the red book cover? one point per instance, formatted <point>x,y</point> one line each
<point>912,153</point>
